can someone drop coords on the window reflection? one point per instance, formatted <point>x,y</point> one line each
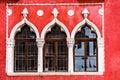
<point>85,50</point>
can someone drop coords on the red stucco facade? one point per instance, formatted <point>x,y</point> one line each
<point>111,32</point>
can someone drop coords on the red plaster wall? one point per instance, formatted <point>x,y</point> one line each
<point>112,48</point>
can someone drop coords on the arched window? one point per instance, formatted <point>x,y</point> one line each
<point>55,51</point>
<point>25,50</point>
<point>85,50</point>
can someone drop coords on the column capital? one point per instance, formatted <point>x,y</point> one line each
<point>40,42</point>
<point>100,42</point>
<point>70,42</point>
<point>10,42</point>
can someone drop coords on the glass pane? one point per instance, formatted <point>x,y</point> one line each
<point>91,64</point>
<point>56,33</point>
<point>79,49</point>
<point>79,64</point>
<point>25,32</point>
<point>91,48</point>
<point>86,32</point>
<point>49,48</point>
<point>49,66</point>
<point>32,48</point>
<point>20,63</point>
<point>62,48</point>
<point>20,48</point>
<point>32,63</point>
<point>62,63</point>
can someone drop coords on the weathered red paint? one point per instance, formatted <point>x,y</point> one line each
<point>112,32</point>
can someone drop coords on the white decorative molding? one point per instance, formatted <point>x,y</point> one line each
<point>25,12</point>
<point>101,11</point>
<point>40,12</point>
<point>9,12</point>
<point>10,44</point>
<point>20,24</point>
<point>70,12</point>
<point>51,24</point>
<point>100,42</point>
<point>55,12</point>
<point>54,4</point>
<point>81,24</point>
<point>85,13</point>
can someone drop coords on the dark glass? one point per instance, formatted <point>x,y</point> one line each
<point>55,50</point>
<point>86,32</point>
<point>25,51</point>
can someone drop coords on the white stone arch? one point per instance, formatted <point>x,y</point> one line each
<point>81,24</point>
<point>21,24</point>
<point>51,24</point>
<point>11,43</point>
<point>100,43</point>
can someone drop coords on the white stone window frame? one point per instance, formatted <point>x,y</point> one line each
<point>100,45</point>
<point>40,43</point>
<point>11,43</point>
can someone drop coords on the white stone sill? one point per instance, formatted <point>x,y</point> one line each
<point>53,73</point>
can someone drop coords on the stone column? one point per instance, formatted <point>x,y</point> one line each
<point>70,44</point>
<point>100,54</point>
<point>10,56</point>
<point>40,44</point>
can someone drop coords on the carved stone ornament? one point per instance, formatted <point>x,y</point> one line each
<point>85,13</point>
<point>25,12</point>
<point>55,12</point>
<point>40,13</point>
<point>9,12</point>
<point>70,12</point>
<point>101,11</point>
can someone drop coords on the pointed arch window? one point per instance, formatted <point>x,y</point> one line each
<point>25,50</point>
<point>85,50</point>
<point>55,51</point>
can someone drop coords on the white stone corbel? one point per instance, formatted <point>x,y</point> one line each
<point>55,12</point>
<point>85,13</point>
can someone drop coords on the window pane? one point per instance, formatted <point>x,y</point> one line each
<point>86,32</point>
<point>32,63</point>
<point>91,48</point>
<point>79,49</point>
<point>62,65</point>
<point>20,63</point>
<point>49,66</point>
<point>91,64</point>
<point>32,48</point>
<point>62,48</point>
<point>20,48</point>
<point>49,48</point>
<point>79,64</point>
<point>56,33</point>
<point>25,33</point>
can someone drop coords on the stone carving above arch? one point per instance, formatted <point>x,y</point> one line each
<point>21,24</point>
<point>81,24</point>
<point>51,24</point>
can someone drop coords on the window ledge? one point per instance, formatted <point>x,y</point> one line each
<point>53,73</point>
